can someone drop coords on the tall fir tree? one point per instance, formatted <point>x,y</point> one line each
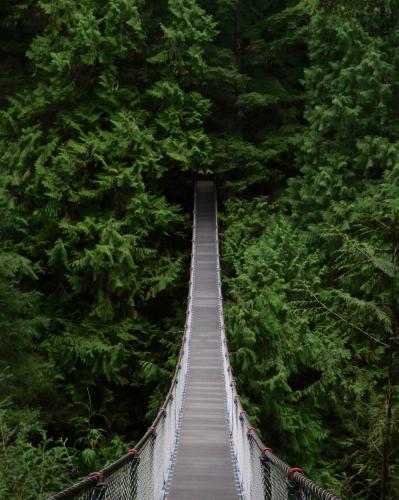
<point>254,82</point>
<point>90,152</point>
<point>320,342</point>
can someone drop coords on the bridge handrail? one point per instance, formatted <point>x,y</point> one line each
<point>145,470</point>
<point>179,379</point>
<point>294,476</point>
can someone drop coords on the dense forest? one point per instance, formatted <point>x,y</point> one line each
<point>110,109</point>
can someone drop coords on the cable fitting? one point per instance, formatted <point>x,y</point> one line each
<point>100,480</point>
<point>98,475</point>
<point>292,471</point>
<point>265,450</point>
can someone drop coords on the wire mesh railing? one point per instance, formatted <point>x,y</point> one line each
<point>144,472</point>
<point>261,474</point>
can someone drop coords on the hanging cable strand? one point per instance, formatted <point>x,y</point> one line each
<point>146,471</point>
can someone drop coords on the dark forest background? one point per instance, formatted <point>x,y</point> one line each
<point>109,110</point>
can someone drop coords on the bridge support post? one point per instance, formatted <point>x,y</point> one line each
<point>295,491</point>
<point>100,487</point>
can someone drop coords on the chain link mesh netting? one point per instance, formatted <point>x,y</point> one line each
<point>144,473</point>
<point>260,474</point>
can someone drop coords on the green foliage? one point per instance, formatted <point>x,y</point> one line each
<point>89,148</point>
<point>352,132</point>
<point>254,83</point>
<point>31,465</point>
<point>180,64</point>
<point>108,110</point>
<point>279,361</point>
<point>313,280</point>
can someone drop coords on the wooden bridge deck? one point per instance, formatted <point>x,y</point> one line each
<point>203,468</point>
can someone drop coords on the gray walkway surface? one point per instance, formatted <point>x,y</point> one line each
<point>203,468</point>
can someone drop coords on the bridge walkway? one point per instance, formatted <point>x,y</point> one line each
<point>187,452</point>
<point>203,468</point>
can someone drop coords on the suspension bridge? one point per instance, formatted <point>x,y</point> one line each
<point>201,446</point>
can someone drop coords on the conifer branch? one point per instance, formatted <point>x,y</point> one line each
<point>344,320</point>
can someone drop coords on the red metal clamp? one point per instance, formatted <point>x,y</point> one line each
<point>98,475</point>
<point>100,479</point>
<point>292,471</point>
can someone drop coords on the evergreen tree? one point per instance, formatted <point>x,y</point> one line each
<point>349,152</point>
<point>329,270</point>
<point>254,84</point>
<point>108,111</point>
<point>24,377</point>
<point>85,151</point>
